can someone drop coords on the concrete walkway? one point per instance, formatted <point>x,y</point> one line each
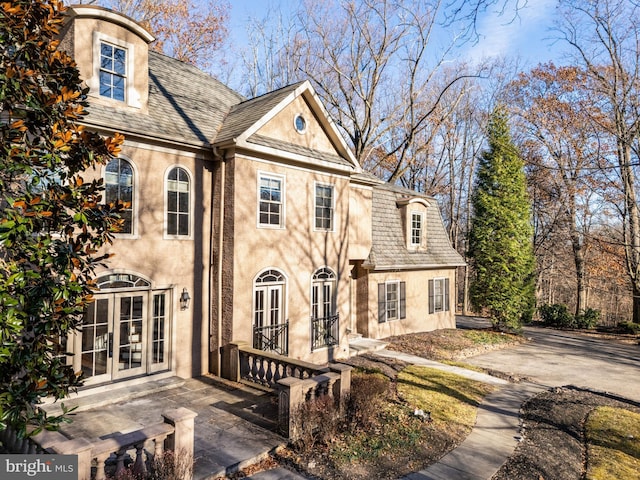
<point>495,434</point>
<point>492,440</point>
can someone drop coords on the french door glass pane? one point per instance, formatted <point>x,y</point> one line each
<point>131,335</point>
<point>159,317</point>
<point>95,339</point>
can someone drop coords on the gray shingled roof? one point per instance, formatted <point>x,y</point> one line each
<point>297,149</point>
<point>245,114</point>
<point>388,244</point>
<point>185,105</point>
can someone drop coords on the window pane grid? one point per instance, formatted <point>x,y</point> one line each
<point>119,187</point>
<point>178,195</point>
<point>112,71</point>
<point>416,229</point>
<point>270,205</point>
<point>324,207</point>
<point>392,301</point>
<point>158,342</point>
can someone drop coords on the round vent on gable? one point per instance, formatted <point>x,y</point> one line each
<point>300,124</point>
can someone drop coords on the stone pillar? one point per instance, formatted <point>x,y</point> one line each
<point>291,394</point>
<point>231,361</point>
<point>182,440</point>
<point>343,386</point>
<point>83,449</point>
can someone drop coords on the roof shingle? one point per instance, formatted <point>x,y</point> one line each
<point>389,249</point>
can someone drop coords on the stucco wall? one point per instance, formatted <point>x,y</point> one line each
<point>282,128</point>
<point>170,263</point>
<point>418,318</point>
<point>83,33</point>
<point>297,250</point>
<point>360,205</point>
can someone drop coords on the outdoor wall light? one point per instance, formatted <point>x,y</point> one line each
<point>184,299</point>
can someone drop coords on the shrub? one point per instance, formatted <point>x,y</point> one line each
<point>557,315</point>
<point>368,392</point>
<point>316,422</point>
<point>629,328</point>
<point>588,319</point>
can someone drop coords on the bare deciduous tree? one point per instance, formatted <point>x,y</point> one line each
<point>605,37</point>
<point>189,30</point>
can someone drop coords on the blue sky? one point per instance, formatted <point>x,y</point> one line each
<point>525,36</point>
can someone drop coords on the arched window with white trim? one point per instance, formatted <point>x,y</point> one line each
<point>178,203</point>
<point>324,316</point>
<point>119,183</point>
<point>270,326</point>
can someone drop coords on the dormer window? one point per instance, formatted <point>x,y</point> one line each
<point>113,71</point>
<point>417,222</point>
<point>413,213</point>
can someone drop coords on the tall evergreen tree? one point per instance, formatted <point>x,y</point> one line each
<point>52,222</point>
<point>501,236</point>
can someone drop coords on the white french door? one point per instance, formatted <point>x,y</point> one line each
<point>123,334</point>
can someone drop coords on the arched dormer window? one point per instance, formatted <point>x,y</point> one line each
<point>119,186</point>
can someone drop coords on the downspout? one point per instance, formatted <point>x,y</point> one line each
<point>214,357</point>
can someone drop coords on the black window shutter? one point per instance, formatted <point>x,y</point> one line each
<point>382,303</point>
<point>446,294</point>
<point>403,299</point>
<point>431,299</point>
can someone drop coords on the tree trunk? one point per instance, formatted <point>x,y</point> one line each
<point>636,304</point>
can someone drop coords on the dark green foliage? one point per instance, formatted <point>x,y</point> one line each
<point>629,328</point>
<point>52,223</point>
<point>588,319</point>
<point>557,315</point>
<point>501,237</point>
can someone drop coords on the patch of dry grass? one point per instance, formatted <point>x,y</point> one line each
<point>613,444</point>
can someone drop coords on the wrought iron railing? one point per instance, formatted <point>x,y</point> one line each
<point>324,331</point>
<point>272,338</point>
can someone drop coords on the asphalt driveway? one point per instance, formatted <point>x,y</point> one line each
<point>555,358</point>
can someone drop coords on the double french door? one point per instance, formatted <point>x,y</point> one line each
<point>270,330</point>
<point>123,334</point>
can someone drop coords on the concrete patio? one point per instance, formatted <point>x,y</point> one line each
<point>235,425</point>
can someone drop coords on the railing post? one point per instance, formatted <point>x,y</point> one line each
<point>231,361</point>
<point>343,386</point>
<point>80,447</point>
<point>289,397</point>
<point>181,442</point>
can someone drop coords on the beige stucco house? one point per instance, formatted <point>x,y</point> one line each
<point>249,220</point>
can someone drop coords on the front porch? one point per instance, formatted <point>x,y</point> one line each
<point>235,425</point>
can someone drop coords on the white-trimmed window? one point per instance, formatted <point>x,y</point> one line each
<point>178,203</point>
<point>324,317</point>
<point>270,327</point>
<point>417,226</point>
<point>270,200</point>
<point>438,295</point>
<point>119,184</point>
<point>392,300</point>
<point>324,206</point>
<point>113,71</point>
